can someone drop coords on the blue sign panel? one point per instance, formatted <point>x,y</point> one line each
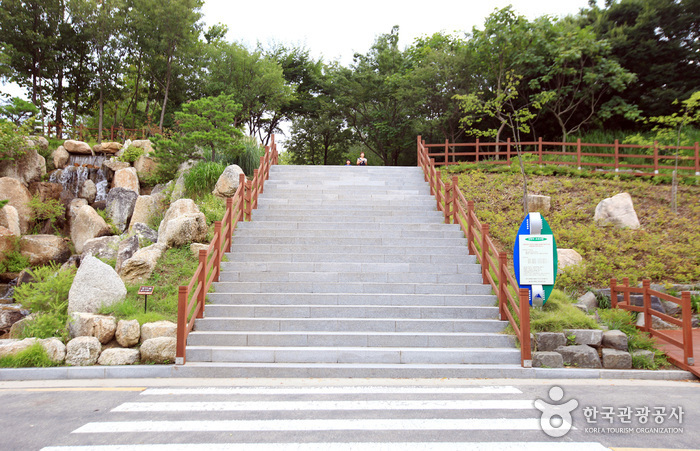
<point>535,258</point>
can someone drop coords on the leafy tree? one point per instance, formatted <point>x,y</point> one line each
<point>18,110</point>
<point>207,122</point>
<point>321,139</point>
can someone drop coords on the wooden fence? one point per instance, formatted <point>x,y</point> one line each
<point>686,341</point>
<point>513,302</point>
<point>609,157</point>
<point>191,298</point>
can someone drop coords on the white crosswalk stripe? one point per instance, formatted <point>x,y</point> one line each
<point>321,418</point>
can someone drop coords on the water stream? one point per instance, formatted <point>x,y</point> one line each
<point>81,168</point>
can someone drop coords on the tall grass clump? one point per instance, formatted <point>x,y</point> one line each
<point>246,154</point>
<point>33,356</point>
<point>201,179</point>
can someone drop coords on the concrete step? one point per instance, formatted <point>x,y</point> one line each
<point>345,219</point>
<point>348,241</point>
<point>350,325</point>
<point>287,205</point>
<point>354,370</point>
<point>351,287</point>
<point>266,354</point>
<point>348,258</point>
<point>355,339</point>
<point>351,299</point>
<point>389,268</point>
<point>341,277</point>
<point>350,311</point>
<point>415,204</point>
<point>358,248</point>
<point>325,214</point>
<point>410,236</point>
<point>394,227</point>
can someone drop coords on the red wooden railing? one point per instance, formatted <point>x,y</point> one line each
<point>483,152</point>
<point>191,298</point>
<point>686,342</point>
<point>513,302</point>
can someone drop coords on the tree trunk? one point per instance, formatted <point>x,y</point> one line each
<point>136,92</point>
<point>168,73</point>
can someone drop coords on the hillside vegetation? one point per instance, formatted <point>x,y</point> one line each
<point>666,249</point>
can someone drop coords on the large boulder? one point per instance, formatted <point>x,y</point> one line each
<point>567,258</point>
<point>617,211</point>
<point>178,191</point>
<point>120,206</point>
<point>127,248</point>
<point>42,249</point>
<point>90,325</point>
<point>144,144</point>
<point>147,235</point>
<point>581,356</point>
<point>158,329</point>
<point>114,165</point>
<point>144,165</point>
<point>83,351</point>
<point>591,337</point>
<point>589,300</point>
<point>87,225</point>
<point>9,218</point>
<point>128,333</point>
<point>55,349</point>
<point>104,247</point>
<point>616,359</point>
<point>46,190</point>
<point>183,223</point>
<point>9,315</point>
<point>29,167</point>
<point>126,178</point>
<point>19,196</point>
<point>88,191</point>
<point>549,341</point>
<point>228,182</point>
<point>615,339</point>
<point>40,142</point>
<point>96,284</point>
<point>146,208</point>
<point>158,350</point>
<point>13,346</point>
<point>140,266</point>
<point>60,157</point>
<point>107,147</point>
<point>78,147</point>
<point>119,356</point>
<point>547,359</point>
<point>74,207</point>
<point>538,203</point>
<point>7,242</point>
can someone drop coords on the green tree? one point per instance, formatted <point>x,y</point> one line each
<point>18,110</point>
<point>319,139</point>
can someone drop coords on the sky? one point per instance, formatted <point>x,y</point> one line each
<point>335,30</point>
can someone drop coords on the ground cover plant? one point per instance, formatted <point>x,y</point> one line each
<point>666,249</point>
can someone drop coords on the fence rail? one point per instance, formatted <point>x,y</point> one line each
<point>686,341</point>
<point>617,158</point>
<point>513,302</point>
<point>191,298</point>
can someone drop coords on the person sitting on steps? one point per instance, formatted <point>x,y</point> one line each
<point>362,161</point>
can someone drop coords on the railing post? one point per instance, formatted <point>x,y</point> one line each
<point>217,239</point>
<point>181,325</point>
<point>447,149</point>
<point>539,149</point>
<point>438,192</point>
<point>241,204</point>
<point>455,199</point>
<point>525,345</point>
<point>470,227</point>
<point>202,283</point>
<point>647,305</point>
<point>502,299</point>
<point>687,313</point>
<point>697,158</point>
<point>248,199</point>
<point>626,294</point>
<point>578,153</point>
<point>508,150</point>
<point>613,293</point>
<point>484,251</point>
<point>449,194</point>
<point>617,155</point>
<point>229,219</point>
<point>656,157</point>
<point>477,150</point>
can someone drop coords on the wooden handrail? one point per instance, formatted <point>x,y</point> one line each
<point>480,151</point>
<point>686,313</point>
<point>238,208</point>
<point>494,264</point>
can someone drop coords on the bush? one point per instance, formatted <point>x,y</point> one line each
<point>33,356</point>
<point>213,208</point>
<point>49,290</point>
<point>131,154</point>
<point>43,211</point>
<point>13,262</point>
<point>201,179</point>
<point>558,314</point>
<point>12,141</point>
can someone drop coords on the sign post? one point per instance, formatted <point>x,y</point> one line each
<point>535,258</point>
<point>145,291</point>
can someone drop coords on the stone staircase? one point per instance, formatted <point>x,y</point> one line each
<point>350,272</point>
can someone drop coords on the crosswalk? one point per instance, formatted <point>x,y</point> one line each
<point>323,418</point>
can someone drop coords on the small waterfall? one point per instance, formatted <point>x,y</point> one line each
<point>7,292</point>
<point>81,168</point>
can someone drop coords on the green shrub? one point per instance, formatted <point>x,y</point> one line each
<point>213,208</point>
<point>131,154</point>
<point>558,314</point>
<point>47,325</point>
<point>12,141</point>
<point>14,262</point>
<point>201,179</point>
<point>33,356</point>
<point>48,210</point>
<point>49,290</point>
<point>4,202</point>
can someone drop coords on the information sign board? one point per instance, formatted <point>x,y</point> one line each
<point>535,258</point>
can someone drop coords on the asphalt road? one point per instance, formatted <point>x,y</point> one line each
<point>365,414</point>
